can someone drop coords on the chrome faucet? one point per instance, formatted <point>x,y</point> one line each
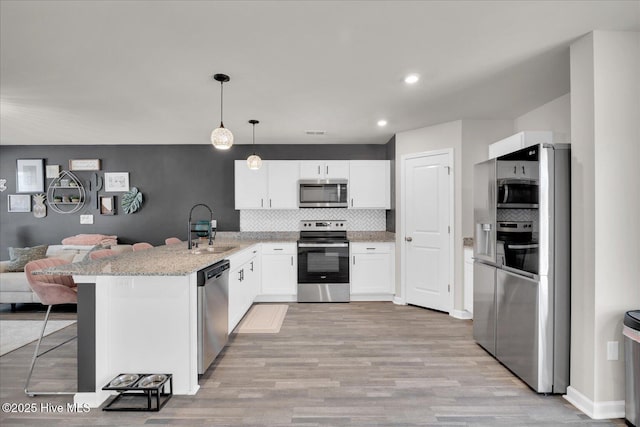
<point>191,230</point>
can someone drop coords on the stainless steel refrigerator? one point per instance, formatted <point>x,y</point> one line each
<point>521,271</point>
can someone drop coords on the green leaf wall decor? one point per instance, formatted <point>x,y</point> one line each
<point>131,201</point>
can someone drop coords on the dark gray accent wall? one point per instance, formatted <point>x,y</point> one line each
<point>172,178</point>
<point>391,155</point>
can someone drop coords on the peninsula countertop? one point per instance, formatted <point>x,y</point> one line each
<point>177,260</point>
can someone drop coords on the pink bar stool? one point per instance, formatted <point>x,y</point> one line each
<point>142,246</point>
<point>172,241</point>
<point>52,290</point>
<point>101,253</point>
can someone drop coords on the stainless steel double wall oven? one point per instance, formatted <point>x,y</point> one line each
<point>323,261</point>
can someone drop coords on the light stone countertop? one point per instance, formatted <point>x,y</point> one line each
<point>177,260</point>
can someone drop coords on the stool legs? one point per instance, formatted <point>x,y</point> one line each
<point>35,357</point>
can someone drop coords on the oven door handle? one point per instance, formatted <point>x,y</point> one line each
<point>323,245</point>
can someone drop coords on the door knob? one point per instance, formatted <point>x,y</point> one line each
<point>408,239</point>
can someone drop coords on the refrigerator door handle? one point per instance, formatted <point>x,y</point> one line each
<point>520,272</point>
<point>529,246</point>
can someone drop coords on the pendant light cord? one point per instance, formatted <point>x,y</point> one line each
<point>221,97</point>
<point>254,138</point>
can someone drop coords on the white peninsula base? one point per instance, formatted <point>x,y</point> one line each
<point>136,324</point>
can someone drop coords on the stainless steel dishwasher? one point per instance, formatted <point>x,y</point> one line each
<point>213,312</point>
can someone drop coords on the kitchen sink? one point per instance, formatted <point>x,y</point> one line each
<point>211,249</point>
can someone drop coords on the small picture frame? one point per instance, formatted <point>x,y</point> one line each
<point>84,165</point>
<point>29,175</point>
<point>107,205</point>
<point>116,181</point>
<point>19,202</point>
<point>53,171</point>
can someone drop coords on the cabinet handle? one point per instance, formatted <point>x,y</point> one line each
<point>352,202</point>
<point>354,260</point>
<point>269,202</point>
<point>277,249</point>
<point>240,276</point>
<point>523,173</point>
<point>327,170</point>
<point>251,266</point>
<point>318,169</point>
<point>292,260</point>
<point>262,203</point>
<point>514,170</point>
<point>371,249</point>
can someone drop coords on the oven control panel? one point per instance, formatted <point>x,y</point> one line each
<point>323,225</point>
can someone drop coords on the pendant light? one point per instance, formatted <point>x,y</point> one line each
<point>221,138</point>
<point>254,161</point>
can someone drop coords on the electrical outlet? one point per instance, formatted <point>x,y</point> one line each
<point>86,219</point>
<point>612,350</point>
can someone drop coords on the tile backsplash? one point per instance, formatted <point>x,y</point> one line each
<point>288,220</point>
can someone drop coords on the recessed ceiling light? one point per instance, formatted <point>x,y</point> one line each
<point>411,79</point>
<point>382,123</point>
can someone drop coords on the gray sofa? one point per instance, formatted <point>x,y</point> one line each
<point>14,287</point>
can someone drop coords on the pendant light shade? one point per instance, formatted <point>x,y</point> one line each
<point>221,138</point>
<point>254,161</point>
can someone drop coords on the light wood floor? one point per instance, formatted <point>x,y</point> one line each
<point>365,364</point>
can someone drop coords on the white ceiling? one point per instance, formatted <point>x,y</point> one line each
<point>139,72</point>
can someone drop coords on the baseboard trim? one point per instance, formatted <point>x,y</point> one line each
<point>399,301</point>
<point>461,314</point>
<point>372,297</point>
<point>276,298</point>
<point>595,410</point>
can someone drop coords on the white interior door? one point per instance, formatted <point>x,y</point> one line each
<point>426,211</point>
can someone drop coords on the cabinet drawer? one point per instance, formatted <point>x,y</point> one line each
<point>371,247</point>
<point>278,248</point>
<point>239,258</point>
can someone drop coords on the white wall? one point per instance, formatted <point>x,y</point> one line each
<point>470,140</point>
<point>605,106</point>
<point>554,116</point>
<point>477,135</point>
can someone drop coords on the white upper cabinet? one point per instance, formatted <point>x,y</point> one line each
<point>369,184</point>
<point>324,169</point>
<point>283,184</point>
<point>251,187</point>
<point>273,186</point>
<point>518,141</point>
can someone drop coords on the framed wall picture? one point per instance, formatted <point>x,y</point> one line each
<point>53,171</point>
<point>30,176</point>
<point>84,165</point>
<point>19,202</point>
<point>116,181</point>
<point>107,205</point>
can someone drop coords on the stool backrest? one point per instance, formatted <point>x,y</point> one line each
<point>141,246</point>
<point>51,288</point>
<point>101,253</point>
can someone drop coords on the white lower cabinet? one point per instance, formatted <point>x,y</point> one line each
<point>372,271</point>
<point>244,283</point>
<point>279,272</point>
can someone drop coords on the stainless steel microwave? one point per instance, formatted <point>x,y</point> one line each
<point>323,193</point>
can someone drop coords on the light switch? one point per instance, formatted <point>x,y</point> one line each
<point>612,350</point>
<point>86,219</point>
